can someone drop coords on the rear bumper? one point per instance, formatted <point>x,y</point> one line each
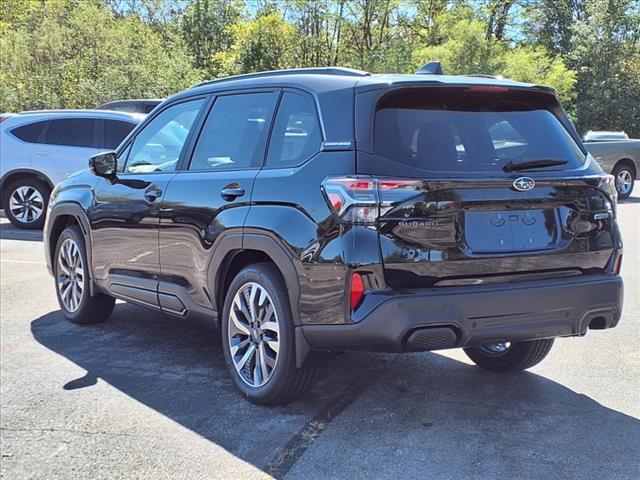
<point>438,318</point>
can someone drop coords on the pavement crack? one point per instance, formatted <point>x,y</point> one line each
<point>286,457</point>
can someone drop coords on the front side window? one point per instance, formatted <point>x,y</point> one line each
<point>296,132</point>
<point>235,133</point>
<point>158,146</point>
<point>72,132</point>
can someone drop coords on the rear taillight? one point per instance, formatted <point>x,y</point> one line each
<point>607,183</point>
<point>617,266</point>
<point>357,290</point>
<point>362,199</point>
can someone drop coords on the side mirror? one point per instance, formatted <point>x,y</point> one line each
<point>104,165</point>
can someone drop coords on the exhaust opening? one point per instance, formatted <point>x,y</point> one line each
<point>430,338</point>
<point>598,323</point>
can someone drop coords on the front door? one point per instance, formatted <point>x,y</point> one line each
<point>124,218</point>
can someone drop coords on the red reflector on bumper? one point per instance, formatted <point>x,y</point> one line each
<point>357,290</point>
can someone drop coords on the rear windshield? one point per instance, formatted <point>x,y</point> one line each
<point>471,131</point>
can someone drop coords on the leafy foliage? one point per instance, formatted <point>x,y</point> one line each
<point>79,53</point>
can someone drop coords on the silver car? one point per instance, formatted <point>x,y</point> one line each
<point>620,158</point>
<point>39,148</point>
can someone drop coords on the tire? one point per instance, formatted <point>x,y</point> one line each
<point>25,203</point>
<point>624,176</point>
<point>517,357</point>
<point>77,304</point>
<point>277,380</point>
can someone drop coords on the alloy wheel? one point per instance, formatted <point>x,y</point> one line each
<point>253,334</point>
<point>26,204</point>
<point>71,278</point>
<point>495,349</point>
<point>624,181</point>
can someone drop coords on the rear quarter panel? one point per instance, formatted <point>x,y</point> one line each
<point>288,205</point>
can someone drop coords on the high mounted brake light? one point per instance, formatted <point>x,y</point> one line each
<point>362,199</point>
<point>487,88</point>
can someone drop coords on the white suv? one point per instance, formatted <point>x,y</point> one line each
<point>37,149</point>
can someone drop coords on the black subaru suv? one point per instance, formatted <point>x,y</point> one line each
<point>319,210</point>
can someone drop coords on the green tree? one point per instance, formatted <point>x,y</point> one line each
<point>266,43</point>
<point>77,54</point>
<point>466,47</point>
<point>206,33</point>
<point>605,51</point>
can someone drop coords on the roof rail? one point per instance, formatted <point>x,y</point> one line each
<point>430,68</point>
<point>348,72</point>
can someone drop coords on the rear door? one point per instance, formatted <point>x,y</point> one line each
<point>210,196</point>
<point>68,143</point>
<point>502,190</point>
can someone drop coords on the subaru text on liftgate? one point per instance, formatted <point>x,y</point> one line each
<point>318,210</point>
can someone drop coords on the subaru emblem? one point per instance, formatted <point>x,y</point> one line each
<point>523,184</point>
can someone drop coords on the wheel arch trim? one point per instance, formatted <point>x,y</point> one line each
<point>72,209</point>
<point>19,172</point>
<point>235,243</point>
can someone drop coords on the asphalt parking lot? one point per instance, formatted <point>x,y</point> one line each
<point>148,397</point>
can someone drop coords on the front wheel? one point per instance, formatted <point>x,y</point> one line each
<point>509,357</point>
<point>624,177</point>
<point>71,272</point>
<point>258,338</point>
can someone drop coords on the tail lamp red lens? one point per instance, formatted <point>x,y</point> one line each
<point>362,199</point>
<point>617,266</point>
<point>357,290</point>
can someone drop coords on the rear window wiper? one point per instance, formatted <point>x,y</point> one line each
<point>531,164</point>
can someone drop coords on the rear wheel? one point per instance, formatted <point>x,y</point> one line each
<point>25,203</point>
<point>258,338</point>
<point>71,273</point>
<point>509,357</point>
<point>624,176</point>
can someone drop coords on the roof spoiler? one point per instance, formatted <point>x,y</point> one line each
<point>430,68</point>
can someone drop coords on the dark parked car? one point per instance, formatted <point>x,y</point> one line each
<point>131,106</point>
<point>321,210</point>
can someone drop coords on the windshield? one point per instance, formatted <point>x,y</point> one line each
<point>476,132</point>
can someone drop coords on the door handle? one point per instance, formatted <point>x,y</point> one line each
<point>151,194</point>
<point>41,153</point>
<point>231,193</point>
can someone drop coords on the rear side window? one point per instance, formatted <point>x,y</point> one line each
<point>115,132</point>
<point>31,132</point>
<point>296,132</point>
<point>235,133</point>
<point>72,132</point>
<point>460,131</point>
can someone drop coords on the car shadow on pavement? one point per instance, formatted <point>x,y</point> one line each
<point>409,401</point>
<point>9,232</point>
